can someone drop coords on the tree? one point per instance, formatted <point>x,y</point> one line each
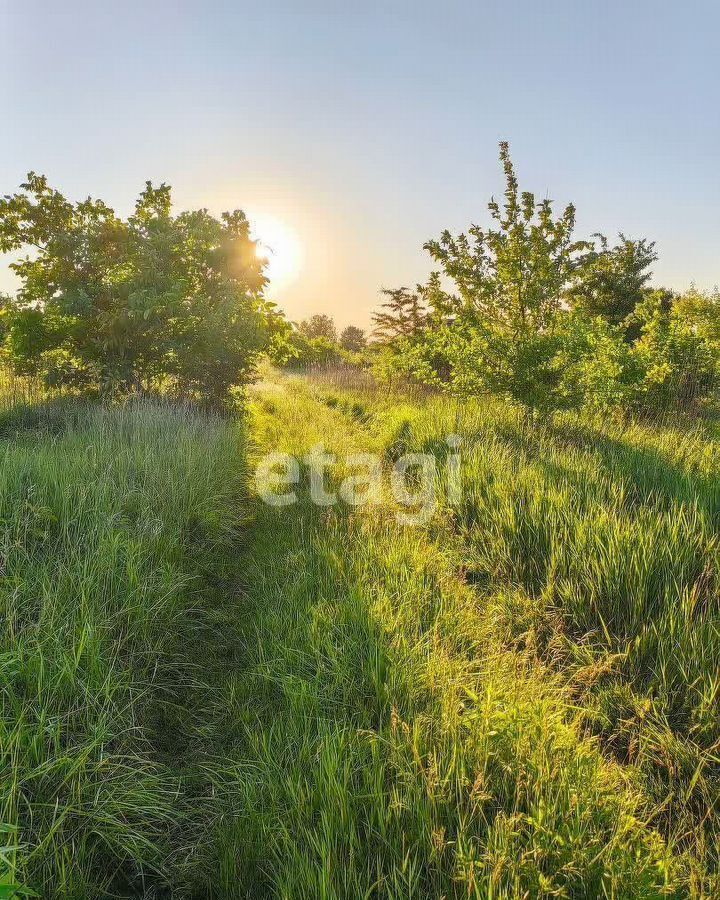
<point>676,359</point>
<point>698,312</point>
<point>403,315</point>
<point>503,329</point>
<point>352,339</point>
<point>701,311</point>
<point>123,303</point>
<point>614,280</point>
<point>319,326</point>
<point>300,352</point>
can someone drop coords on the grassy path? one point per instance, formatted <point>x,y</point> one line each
<point>385,743</point>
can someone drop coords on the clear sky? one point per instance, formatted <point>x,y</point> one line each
<point>366,128</point>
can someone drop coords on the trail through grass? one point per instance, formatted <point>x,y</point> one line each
<point>389,739</point>
<point>205,696</point>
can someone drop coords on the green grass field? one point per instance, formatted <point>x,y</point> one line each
<point>206,696</point>
<point>114,524</point>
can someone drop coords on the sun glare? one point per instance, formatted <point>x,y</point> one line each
<point>280,246</point>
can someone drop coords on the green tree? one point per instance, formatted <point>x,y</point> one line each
<point>319,326</point>
<point>403,315</point>
<point>503,328</point>
<point>352,339</point>
<point>700,310</point>
<point>614,280</point>
<point>124,303</point>
<point>676,361</point>
<point>405,343</point>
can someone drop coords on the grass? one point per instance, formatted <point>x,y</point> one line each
<point>597,550</point>
<point>108,520</point>
<point>205,696</point>
<point>395,737</point>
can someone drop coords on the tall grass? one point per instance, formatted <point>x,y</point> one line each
<point>598,548</point>
<point>517,699</point>
<point>593,548</point>
<point>390,739</point>
<point>19,390</point>
<point>109,520</point>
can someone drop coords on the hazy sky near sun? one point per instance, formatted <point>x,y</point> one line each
<point>367,128</point>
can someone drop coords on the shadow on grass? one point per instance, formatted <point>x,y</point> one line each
<point>651,478</point>
<point>54,416</point>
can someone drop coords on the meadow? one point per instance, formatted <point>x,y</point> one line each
<point>206,696</point>
<point>517,699</point>
<point>115,521</point>
<point>327,573</point>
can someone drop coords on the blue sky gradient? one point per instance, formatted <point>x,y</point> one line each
<point>369,128</point>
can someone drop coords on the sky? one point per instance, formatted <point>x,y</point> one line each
<point>365,129</point>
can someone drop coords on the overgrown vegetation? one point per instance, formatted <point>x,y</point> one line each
<point>206,696</point>
<point>156,300</point>
<point>524,310</point>
<point>115,527</point>
<point>518,699</point>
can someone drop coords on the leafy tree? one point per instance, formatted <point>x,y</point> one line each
<point>319,326</point>
<point>614,280</point>
<point>403,315</point>
<point>123,303</point>
<point>404,337</point>
<point>598,369</point>
<point>677,363</point>
<point>352,339</point>
<point>700,310</point>
<point>671,362</point>
<point>299,351</point>
<point>503,328</point>
<point>525,310</point>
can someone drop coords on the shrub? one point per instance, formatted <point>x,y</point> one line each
<point>128,303</point>
<point>677,361</point>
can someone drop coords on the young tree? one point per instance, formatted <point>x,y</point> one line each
<point>503,329</point>
<point>614,281</point>
<point>352,339</point>
<point>122,303</point>
<point>403,315</point>
<point>319,326</point>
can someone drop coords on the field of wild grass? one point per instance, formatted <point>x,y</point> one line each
<point>205,696</point>
<point>113,522</point>
<point>517,699</point>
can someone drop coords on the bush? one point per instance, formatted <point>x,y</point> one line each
<point>128,303</point>
<point>677,361</point>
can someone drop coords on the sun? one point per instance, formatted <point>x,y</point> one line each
<point>279,244</point>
